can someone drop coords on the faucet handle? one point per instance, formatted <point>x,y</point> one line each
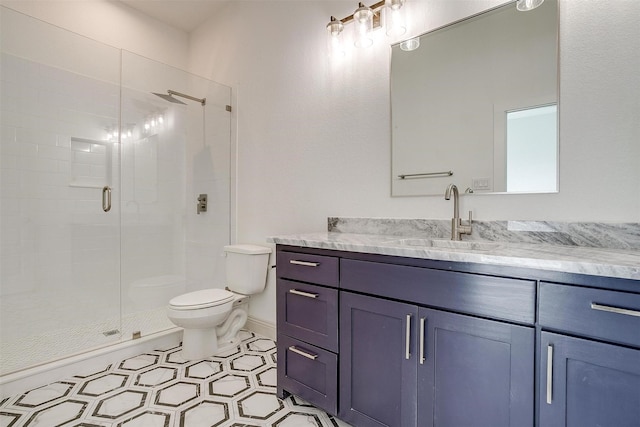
<point>466,228</point>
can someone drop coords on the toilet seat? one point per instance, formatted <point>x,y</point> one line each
<point>201,299</point>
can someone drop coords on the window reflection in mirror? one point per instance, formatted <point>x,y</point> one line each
<point>532,147</point>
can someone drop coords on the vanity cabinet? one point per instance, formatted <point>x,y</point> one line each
<point>590,365</point>
<point>307,322</point>
<point>431,367</point>
<point>382,340</point>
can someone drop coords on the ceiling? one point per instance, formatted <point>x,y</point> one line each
<point>183,14</point>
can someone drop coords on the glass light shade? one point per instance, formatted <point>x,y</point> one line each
<point>363,20</point>
<point>526,5</point>
<point>395,23</point>
<point>335,44</point>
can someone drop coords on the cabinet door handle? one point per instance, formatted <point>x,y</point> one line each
<point>303,353</point>
<point>422,352</point>
<point>407,353</point>
<point>549,374</point>
<point>304,263</point>
<point>303,293</point>
<point>617,310</point>
<point>106,198</point>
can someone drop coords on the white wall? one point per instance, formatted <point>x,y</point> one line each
<point>113,23</point>
<point>314,136</point>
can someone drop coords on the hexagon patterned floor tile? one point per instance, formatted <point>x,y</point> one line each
<point>235,388</point>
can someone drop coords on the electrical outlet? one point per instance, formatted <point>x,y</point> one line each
<point>481,183</point>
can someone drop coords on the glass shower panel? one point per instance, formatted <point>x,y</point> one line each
<point>169,145</point>
<point>60,244</point>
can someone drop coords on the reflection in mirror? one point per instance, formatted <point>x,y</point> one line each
<point>532,149</point>
<point>478,98</point>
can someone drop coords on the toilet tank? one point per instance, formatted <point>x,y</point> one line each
<point>246,268</point>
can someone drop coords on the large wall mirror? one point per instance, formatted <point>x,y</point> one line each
<point>476,104</point>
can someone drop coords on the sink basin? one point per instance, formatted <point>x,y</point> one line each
<point>448,244</point>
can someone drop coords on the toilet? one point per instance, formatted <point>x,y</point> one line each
<point>211,318</point>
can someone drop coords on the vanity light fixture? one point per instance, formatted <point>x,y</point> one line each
<point>366,19</point>
<point>526,5</point>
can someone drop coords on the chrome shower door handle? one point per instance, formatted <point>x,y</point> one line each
<point>106,198</point>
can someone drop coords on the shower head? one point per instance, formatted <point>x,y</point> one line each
<point>169,97</point>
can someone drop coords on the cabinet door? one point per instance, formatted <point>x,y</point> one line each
<point>474,372</point>
<point>586,383</point>
<point>377,361</point>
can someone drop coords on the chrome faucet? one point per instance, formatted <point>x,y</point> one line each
<point>457,228</point>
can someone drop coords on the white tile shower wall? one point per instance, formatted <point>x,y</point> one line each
<point>62,248</point>
<point>56,222</point>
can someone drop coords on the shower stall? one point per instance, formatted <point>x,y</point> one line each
<point>99,184</point>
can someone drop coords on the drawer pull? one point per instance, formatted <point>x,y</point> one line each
<point>408,338</point>
<point>422,353</point>
<point>303,293</point>
<point>549,373</point>
<point>303,353</point>
<point>616,310</point>
<point>304,263</point>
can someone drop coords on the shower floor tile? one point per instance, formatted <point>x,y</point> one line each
<point>159,388</point>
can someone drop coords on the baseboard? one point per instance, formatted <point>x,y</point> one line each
<point>260,327</point>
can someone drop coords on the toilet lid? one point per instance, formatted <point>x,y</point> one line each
<point>200,299</point>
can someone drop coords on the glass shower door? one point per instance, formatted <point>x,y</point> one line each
<point>60,239</point>
<point>173,149</point>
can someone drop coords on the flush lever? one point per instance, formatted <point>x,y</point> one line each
<point>202,203</point>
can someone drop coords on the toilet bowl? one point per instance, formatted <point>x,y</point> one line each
<point>211,318</point>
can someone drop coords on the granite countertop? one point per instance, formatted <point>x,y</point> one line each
<point>621,263</point>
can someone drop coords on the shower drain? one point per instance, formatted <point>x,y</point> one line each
<point>111,332</point>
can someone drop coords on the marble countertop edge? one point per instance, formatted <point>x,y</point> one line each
<point>590,261</point>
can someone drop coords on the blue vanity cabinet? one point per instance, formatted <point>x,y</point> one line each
<point>403,364</point>
<point>474,372</point>
<point>586,383</point>
<point>589,357</point>
<point>307,322</point>
<point>378,369</point>
<point>401,342</point>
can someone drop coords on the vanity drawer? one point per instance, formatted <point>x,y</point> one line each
<point>308,312</point>
<point>489,296</point>
<point>319,269</point>
<point>309,372</point>
<point>595,313</point>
